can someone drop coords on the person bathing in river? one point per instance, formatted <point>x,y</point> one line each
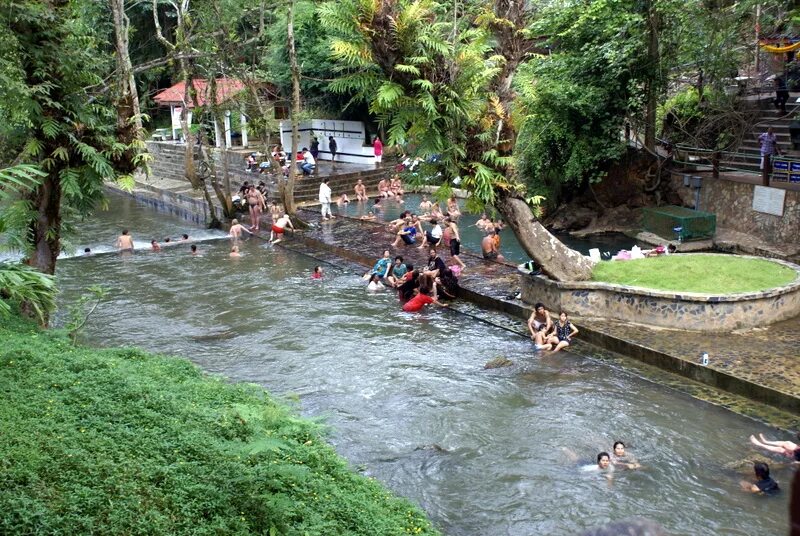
<point>399,270</point>
<point>425,205</point>
<point>620,459</point>
<point>540,339</point>
<point>235,232</point>
<point>374,283</point>
<point>786,448</point>
<point>539,317</point>
<point>382,268</point>
<point>317,273</point>
<point>764,484</point>
<point>564,331</point>
<point>603,464</point>
<point>407,234</point>
<point>454,242</point>
<point>154,245</point>
<point>124,242</point>
<point>234,254</point>
<point>489,247</point>
<point>361,191</point>
<point>279,227</point>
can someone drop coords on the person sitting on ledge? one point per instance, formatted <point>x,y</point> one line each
<point>564,331</point>
<point>407,234</point>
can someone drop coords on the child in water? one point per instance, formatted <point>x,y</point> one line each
<point>620,459</point>
<point>317,273</point>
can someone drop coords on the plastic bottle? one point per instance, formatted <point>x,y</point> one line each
<point>704,359</point>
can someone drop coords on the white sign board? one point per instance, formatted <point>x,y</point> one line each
<point>768,200</point>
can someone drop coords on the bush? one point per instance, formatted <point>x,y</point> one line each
<point>123,442</point>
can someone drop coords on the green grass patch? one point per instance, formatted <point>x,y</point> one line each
<point>715,274</point>
<point>124,442</point>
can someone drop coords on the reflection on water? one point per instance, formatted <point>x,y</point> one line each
<point>471,236</point>
<point>407,397</point>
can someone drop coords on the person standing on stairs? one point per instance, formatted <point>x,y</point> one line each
<point>769,148</point>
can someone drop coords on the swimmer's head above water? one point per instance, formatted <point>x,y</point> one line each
<point>619,449</point>
<point>603,460</point>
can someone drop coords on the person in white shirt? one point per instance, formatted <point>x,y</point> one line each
<point>308,162</point>
<point>325,198</point>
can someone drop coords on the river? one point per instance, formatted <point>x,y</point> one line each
<point>406,396</point>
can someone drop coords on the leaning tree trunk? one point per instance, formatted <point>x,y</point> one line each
<point>557,260</point>
<point>287,187</point>
<point>129,119</point>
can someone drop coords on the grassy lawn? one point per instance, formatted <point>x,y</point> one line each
<point>717,274</point>
<point>120,441</point>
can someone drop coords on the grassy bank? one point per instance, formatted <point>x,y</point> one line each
<point>124,442</point>
<point>716,274</point>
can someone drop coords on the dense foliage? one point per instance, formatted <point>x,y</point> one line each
<point>123,442</point>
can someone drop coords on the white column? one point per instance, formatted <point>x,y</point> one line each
<point>172,122</point>
<point>243,120</point>
<point>227,129</point>
<point>217,134</point>
<point>188,122</point>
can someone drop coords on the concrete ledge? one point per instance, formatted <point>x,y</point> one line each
<point>685,311</point>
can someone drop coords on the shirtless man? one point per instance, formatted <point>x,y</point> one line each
<point>361,191</point>
<point>279,227</point>
<point>124,242</point>
<point>234,252</point>
<point>154,245</point>
<point>425,205</point>
<point>484,224</point>
<point>275,211</point>
<point>256,202</point>
<point>455,241</point>
<point>539,317</point>
<point>489,248</point>
<point>235,231</point>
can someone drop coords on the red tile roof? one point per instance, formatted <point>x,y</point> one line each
<point>226,89</point>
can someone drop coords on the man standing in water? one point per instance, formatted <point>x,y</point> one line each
<point>455,241</point>
<point>325,199</point>
<point>124,242</point>
<point>256,203</point>
<point>235,232</point>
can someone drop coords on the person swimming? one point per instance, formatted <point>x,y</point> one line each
<point>318,273</point>
<point>603,464</point>
<point>786,448</point>
<point>235,252</point>
<point>620,459</point>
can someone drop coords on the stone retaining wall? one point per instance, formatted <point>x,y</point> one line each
<point>692,311</point>
<point>732,202</point>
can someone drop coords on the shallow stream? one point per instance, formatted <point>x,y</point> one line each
<point>407,398</point>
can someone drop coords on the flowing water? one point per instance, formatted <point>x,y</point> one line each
<point>407,398</point>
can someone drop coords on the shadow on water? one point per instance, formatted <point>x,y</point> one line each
<point>408,399</point>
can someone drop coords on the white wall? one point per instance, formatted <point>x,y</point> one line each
<point>349,136</point>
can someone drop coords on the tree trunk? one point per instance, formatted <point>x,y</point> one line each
<point>653,59</point>
<point>46,228</point>
<point>189,168</point>
<point>287,189</point>
<point>128,111</point>
<point>557,260</point>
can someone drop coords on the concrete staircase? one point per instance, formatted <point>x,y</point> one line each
<point>749,152</point>
<point>168,163</point>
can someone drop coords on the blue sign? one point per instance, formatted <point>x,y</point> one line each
<point>780,177</point>
<point>781,165</point>
<point>794,166</point>
<point>794,177</point>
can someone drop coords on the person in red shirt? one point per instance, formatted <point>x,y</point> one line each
<point>317,273</point>
<point>377,147</point>
<point>416,304</point>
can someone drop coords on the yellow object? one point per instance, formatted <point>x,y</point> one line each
<point>781,50</point>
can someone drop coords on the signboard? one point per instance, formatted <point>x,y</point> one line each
<point>781,165</point>
<point>768,200</point>
<point>780,177</point>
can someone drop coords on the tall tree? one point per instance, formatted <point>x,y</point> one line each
<point>53,53</point>
<point>451,96</point>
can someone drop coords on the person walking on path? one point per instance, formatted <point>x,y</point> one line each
<point>377,147</point>
<point>314,147</point>
<point>332,148</point>
<point>769,147</point>
<point>781,94</point>
<point>325,198</point>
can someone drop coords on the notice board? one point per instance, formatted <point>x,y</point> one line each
<point>768,200</point>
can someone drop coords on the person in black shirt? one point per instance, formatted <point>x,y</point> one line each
<point>764,484</point>
<point>332,147</point>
